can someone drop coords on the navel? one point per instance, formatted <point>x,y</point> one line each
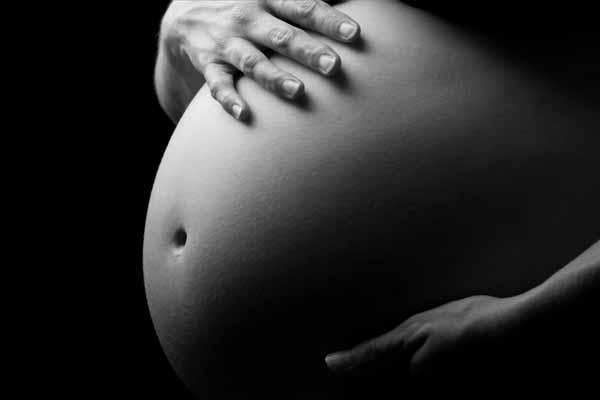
<point>179,240</point>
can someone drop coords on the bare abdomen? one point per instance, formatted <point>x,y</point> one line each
<point>437,167</point>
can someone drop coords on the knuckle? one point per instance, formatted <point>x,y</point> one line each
<point>280,37</point>
<point>218,46</point>
<point>305,8</point>
<point>249,62</point>
<point>241,14</point>
<point>226,46</point>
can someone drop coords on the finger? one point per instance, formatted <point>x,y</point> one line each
<point>219,79</point>
<point>275,34</point>
<point>317,16</point>
<point>253,63</point>
<point>365,353</point>
<point>420,361</point>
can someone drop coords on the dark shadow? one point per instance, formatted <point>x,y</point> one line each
<point>554,43</point>
<point>248,118</point>
<point>340,80</point>
<point>359,44</point>
<point>304,102</point>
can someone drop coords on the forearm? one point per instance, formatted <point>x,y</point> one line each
<point>566,291</point>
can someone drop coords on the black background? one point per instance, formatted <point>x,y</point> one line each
<point>116,147</point>
<point>141,367</point>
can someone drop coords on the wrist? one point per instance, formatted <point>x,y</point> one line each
<point>515,312</point>
<point>499,318</point>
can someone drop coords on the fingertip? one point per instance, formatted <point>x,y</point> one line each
<point>292,88</point>
<point>349,31</point>
<point>337,362</point>
<point>236,110</point>
<point>239,111</point>
<point>329,64</point>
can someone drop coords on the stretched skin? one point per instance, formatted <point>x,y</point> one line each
<point>440,165</point>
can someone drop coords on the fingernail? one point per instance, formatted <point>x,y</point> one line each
<point>290,87</point>
<point>237,111</point>
<point>347,30</point>
<point>336,362</point>
<point>326,63</point>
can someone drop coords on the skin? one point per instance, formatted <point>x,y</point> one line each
<point>199,46</point>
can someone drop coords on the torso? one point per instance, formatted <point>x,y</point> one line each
<point>440,165</point>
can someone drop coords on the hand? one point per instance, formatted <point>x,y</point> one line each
<point>429,339</point>
<point>216,38</point>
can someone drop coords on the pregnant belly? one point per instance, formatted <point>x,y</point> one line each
<point>435,167</point>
